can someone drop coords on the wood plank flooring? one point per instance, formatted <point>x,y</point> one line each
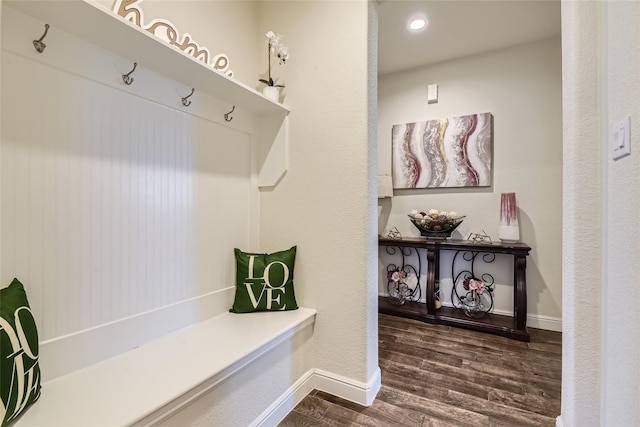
<point>434,376</point>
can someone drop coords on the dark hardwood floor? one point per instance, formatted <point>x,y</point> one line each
<point>436,375</point>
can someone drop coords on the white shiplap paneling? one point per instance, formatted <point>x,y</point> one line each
<point>113,204</point>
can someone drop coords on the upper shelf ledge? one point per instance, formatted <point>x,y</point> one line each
<point>96,24</point>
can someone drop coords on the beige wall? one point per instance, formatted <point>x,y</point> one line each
<point>322,203</point>
<point>621,370</point>
<point>521,87</point>
<point>582,206</point>
<point>601,371</point>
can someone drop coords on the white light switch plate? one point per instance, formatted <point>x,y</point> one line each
<point>621,138</point>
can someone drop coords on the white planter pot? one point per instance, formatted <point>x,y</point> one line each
<point>272,93</point>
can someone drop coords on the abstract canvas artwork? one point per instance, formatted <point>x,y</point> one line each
<point>451,152</point>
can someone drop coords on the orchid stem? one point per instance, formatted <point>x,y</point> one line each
<point>269,62</point>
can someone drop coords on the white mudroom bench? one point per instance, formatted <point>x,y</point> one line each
<point>145,385</point>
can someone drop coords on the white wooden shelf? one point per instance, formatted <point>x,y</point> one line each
<point>94,23</point>
<point>97,25</point>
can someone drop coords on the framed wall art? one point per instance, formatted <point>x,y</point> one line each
<point>450,152</point>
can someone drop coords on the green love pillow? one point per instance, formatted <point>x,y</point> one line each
<point>264,282</point>
<point>19,367</point>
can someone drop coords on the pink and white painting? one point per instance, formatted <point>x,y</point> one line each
<point>451,152</point>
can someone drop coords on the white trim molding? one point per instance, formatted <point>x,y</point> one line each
<point>533,320</point>
<point>286,402</point>
<point>346,388</point>
<point>337,385</point>
<point>544,322</point>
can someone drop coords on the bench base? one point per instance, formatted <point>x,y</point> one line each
<point>154,381</point>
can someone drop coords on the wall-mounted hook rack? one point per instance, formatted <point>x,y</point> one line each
<point>38,44</point>
<point>227,116</point>
<point>185,100</point>
<point>126,78</point>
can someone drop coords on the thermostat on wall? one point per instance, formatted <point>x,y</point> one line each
<point>432,94</point>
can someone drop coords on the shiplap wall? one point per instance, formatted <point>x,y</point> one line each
<point>113,203</point>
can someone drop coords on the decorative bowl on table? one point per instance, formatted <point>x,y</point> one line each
<point>434,224</point>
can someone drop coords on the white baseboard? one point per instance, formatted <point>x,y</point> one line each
<point>537,321</point>
<point>346,388</point>
<point>559,422</point>
<point>337,385</point>
<point>545,322</point>
<point>69,353</point>
<point>286,402</point>
<point>533,320</point>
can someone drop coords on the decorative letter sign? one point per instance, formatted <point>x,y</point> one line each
<point>167,32</point>
<point>266,285</point>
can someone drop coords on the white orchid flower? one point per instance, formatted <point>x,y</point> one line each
<point>275,46</point>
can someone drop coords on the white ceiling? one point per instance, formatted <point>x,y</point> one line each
<point>459,28</point>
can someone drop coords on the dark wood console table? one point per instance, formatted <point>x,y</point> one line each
<point>514,327</point>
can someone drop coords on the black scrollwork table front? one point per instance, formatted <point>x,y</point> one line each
<point>514,327</point>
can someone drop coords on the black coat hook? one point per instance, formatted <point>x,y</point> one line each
<point>38,43</point>
<point>125,77</point>
<point>185,100</point>
<point>226,115</point>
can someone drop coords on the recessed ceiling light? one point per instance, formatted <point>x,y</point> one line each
<point>417,24</point>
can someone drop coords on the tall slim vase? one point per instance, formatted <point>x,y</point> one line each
<point>509,230</point>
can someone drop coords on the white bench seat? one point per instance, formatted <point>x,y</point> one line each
<point>156,379</point>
